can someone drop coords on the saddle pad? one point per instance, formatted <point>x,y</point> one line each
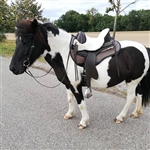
<point>110,51</point>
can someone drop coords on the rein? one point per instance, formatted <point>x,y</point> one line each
<point>27,63</point>
<point>34,77</point>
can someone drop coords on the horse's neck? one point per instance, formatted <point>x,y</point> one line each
<point>60,43</point>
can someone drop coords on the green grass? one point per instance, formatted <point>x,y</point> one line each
<point>7,48</point>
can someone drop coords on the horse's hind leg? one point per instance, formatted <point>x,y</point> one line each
<point>138,107</point>
<point>70,98</point>
<point>131,87</point>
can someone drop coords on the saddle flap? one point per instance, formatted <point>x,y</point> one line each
<point>91,71</point>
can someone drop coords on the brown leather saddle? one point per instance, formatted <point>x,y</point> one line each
<point>89,59</point>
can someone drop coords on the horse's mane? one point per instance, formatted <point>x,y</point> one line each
<point>24,28</point>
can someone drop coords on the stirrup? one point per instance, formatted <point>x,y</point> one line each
<point>88,93</point>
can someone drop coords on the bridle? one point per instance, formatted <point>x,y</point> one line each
<point>26,64</point>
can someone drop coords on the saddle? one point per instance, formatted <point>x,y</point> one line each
<point>90,59</point>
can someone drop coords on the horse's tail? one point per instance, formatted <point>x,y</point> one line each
<point>145,86</point>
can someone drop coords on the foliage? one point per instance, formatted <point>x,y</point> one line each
<point>5,19</point>
<point>23,9</point>
<point>93,21</point>
<point>72,21</point>
<point>17,10</point>
<point>116,6</point>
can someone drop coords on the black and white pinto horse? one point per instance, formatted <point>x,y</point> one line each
<point>34,39</point>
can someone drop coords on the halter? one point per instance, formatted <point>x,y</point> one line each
<point>26,63</point>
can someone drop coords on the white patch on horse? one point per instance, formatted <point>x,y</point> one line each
<point>53,54</point>
<point>103,77</point>
<point>45,53</point>
<point>70,98</point>
<point>50,34</point>
<point>85,116</point>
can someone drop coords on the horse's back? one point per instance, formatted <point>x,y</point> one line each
<point>127,43</point>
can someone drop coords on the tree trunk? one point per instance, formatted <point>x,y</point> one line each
<point>115,24</point>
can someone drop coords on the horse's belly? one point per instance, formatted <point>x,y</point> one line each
<point>103,77</point>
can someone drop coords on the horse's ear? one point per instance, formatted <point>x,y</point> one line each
<point>34,25</point>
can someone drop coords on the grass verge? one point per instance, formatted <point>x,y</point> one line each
<point>7,48</point>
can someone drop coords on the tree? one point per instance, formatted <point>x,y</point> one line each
<point>91,15</point>
<point>82,21</point>
<point>72,21</point>
<point>144,16</point>
<point>6,23</point>
<point>116,6</point>
<point>23,9</point>
<point>69,21</point>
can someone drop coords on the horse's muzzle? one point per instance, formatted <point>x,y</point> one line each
<point>16,71</point>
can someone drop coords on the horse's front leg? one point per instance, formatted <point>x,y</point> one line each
<point>77,93</point>
<point>82,106</point>
<point>70,98</point>
<point>85,116</point>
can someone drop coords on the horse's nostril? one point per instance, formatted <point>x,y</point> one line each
<point>12,69</point>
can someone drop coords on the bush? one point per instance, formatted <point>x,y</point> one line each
<point>2,37</point>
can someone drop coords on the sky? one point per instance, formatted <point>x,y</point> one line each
<point>54,9</point>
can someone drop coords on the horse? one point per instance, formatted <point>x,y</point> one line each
<point>34,39</point>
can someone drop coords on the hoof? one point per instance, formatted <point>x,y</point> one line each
<point>117,121</point>
<point>139,112</point>
<point>134,116</point>
<point>81,127</point>
<point>67,117</point>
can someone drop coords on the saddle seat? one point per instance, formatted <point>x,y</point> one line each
<point>91,44</point>
<point>88,59</point>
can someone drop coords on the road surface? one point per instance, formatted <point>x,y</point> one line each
<point>32,118</point>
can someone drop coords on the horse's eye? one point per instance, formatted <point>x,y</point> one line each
<point>23,41</point>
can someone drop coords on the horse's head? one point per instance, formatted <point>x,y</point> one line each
<point>31,41</point>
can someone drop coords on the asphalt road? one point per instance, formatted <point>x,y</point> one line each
<point>32,118</point>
